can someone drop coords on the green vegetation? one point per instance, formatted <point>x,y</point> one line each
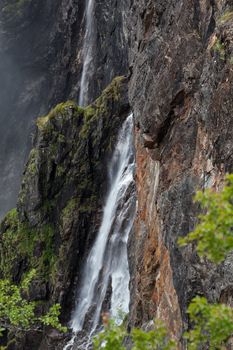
<point>19,314</point>
<point>219,48</point>
<point>14,8</point>
<point>231,60</point>
<point>32,162</point>
<point>212,328</point>
<point>213,235</point>
<point>212,324</point>
<point>227,16</point>
<point>34,246</point>
<point>62,110</point>
<point>113,338</point>
<point>156,339</point>
<point>100,107</point>
<point>71,141</point>
<point>68,211</point>
<point>25,241</point>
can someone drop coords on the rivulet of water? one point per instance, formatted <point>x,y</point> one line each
<point>106,268</point>
<point>87,51</point>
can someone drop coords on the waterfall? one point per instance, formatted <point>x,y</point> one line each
<point>87,51</point>
<point>107,263</point>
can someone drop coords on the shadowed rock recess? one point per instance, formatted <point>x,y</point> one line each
<point>178,58</point>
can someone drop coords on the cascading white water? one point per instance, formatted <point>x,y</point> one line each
<point>107,263</point>
<point>87,51</point>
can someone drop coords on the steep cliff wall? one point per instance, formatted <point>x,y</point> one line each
<point>41,61</point>
<point>60,202</point>
<point>180,89</point>
<point>181,95</point>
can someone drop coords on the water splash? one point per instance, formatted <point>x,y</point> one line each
<point>87,52</point>
<point>106,267</point>
<point>108,256</point>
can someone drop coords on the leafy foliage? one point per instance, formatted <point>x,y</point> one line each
<point>155,339</point>
<point>214,233</point>
<point>14,310</point>
<point>220,49</point>
<point>213,324</point>
<point>212,327</point>
<point>52,318</point>
<point>18,313</point>
<point>26,239</point>
<point>113,338</point>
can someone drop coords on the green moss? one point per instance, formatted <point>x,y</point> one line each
<point>227,16</point>
<point>11,218</point>
<point>219,48</point>
<point>60,170</point>
<point>15,7</point>
<point>31,168</point>
<point>48,206</point>
<point>20,243</point>
<point>101,106</point>
<point>61,138</point>
<point>89,112</point>
<point>112,92</point>
<point>89,205</point>
<point>23,247</point>
<point>68,211</point>
<point>62,110</point>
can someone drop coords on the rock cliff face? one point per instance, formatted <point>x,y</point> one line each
<point>41,61</point>
<point>180,90</point>
<point>61,198</point>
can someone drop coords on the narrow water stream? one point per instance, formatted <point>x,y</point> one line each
<point>87,52</point>
<point>105,281</point>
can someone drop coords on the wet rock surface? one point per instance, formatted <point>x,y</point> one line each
<point>180,92</point>
<point>180,88</point>
<point>41,62</point>
<point>61,198</point>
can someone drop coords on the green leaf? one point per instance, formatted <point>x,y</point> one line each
<point>213,235</point>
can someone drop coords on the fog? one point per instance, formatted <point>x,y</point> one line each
<point>22,87</point>
<point>13,136</point>
<point>32,81</point>
<point>40,66</point>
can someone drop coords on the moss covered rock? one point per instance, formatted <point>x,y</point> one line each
<point>63,189</point>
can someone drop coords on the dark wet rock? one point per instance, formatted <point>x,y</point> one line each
<point>61,197</point>
<point>180,70</point>
<point>181,93</point>
<point>40,66</point>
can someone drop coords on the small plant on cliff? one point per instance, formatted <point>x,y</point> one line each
<point>155,339</point>
<point>214,234</point>
<point>227,16</point>
<point>113,338</point>
<point>212,324</point>
<point>220,49</point>
<point>18,313</point>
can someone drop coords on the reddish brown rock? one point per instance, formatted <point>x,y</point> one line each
<point>181,92</point>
